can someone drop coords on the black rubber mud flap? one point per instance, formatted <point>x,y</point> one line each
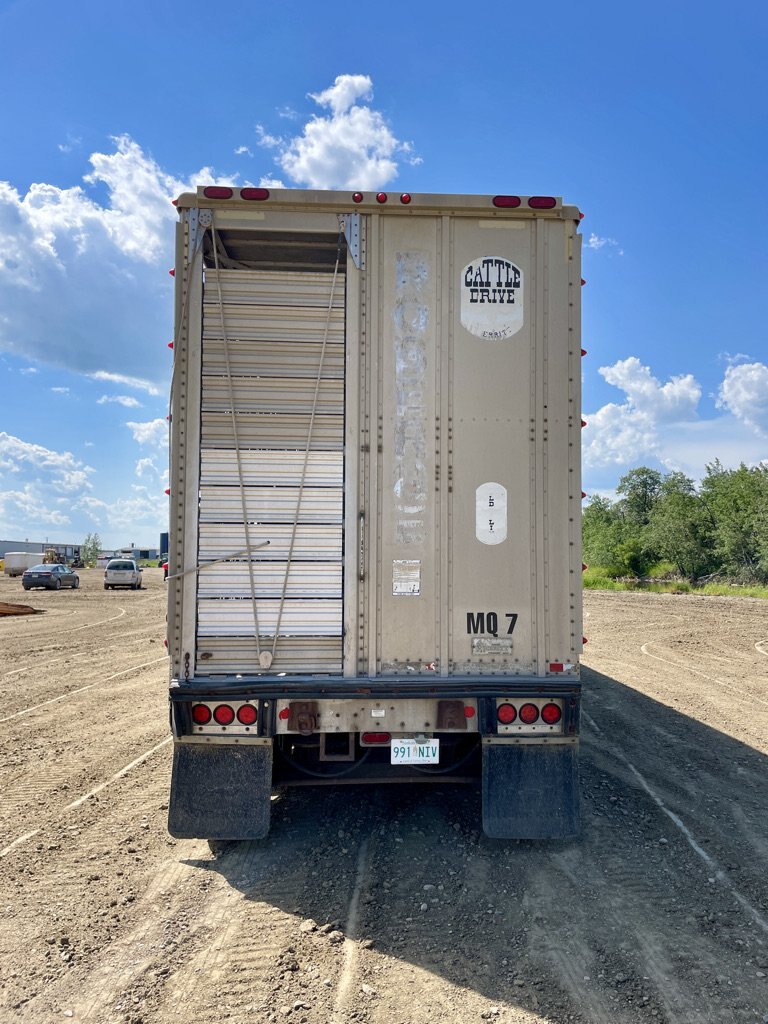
<point>220,792</point>
<point>530,791</point>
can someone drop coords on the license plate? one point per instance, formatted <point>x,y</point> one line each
<point>413,752</point>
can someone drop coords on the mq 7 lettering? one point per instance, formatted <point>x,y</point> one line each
<point>488,622</point>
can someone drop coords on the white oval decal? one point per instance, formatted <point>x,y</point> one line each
<point>492,298</point>
<point>491,513</point>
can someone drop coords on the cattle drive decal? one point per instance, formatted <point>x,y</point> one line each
<point>492,298</point>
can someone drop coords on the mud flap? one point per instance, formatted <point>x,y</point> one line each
<point>220,792</point>
<point>530,791</point>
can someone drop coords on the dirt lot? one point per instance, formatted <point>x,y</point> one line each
<point>386,905</point>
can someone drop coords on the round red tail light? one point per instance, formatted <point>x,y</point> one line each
<point>201,714</point>
<point>217,192</point>
<point>529,714</point>
<point>247,714</point>
<point>284,714</point>
<point>254,193</point>
<point>224,714</point>
<point>469,711</point>
<point>357,197</point>
<point>405,198</point>
<point>506,713</point>
<point>506,202</point>
<point>551,714</point>
<point>381,197</point>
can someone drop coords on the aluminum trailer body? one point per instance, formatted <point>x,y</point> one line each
<point>375,502</point>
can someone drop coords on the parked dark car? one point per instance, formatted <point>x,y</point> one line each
<point>52,577</point>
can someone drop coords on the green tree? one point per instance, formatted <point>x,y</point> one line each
<point>680,528</point>
<point>641,489</point>
<point>608,540</point>
<point>90,548</point>
<point>737,503</point>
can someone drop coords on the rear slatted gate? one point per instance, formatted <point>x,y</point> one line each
<point>275,324</point>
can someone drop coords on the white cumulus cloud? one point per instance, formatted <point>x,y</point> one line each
<point>626,433</point>
<point>744,393</point>
<point>126,400</point>
<point>154,432</point>
<point>83,279</point>
<point>352,147</point>
<point>61,469</point>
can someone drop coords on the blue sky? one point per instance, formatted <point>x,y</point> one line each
<point>652,120</point>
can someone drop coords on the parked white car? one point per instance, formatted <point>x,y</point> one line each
<point>122,572</point>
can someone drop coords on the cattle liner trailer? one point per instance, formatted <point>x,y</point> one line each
<point>375,492</point>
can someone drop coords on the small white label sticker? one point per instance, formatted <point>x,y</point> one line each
<point>406,578</point>
<point>492,298</point>
<point>491,513</point>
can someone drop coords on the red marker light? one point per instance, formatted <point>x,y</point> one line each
<point>201,714</point>
<point>224,714</point>
<point>583,494</point>
<point>506,713</point>
<point>584,640</point>
<point>174,202</point>
<point>529,714</point>
<point>583,352</point>
<point>217,192</point>
<point>170,344</point>
<point>583,423</point>
<point>247,714</point>
<point>172,272</point>
<point>581,216</point>
<point>376,737</point>
<point>254,193</point>
<point>506,202</point>
<point>542,202</point>
<point>357,197</point>
<point>556,666</point>
<point>167,490</point>
<point>381,197</point>
<point>583,282</point>
<point>284,715</point>
<point>551,714</point>
<point>469,712</point>
<point>405,198</point>
<point>584,567</point>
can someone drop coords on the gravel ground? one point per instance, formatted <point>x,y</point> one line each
<point>386,904</point>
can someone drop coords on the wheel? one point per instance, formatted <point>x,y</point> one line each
<point>57,585</point>
<point>106,586</point>
<point>26,587</point>
<point>76,583</point>
<point>134,586</point>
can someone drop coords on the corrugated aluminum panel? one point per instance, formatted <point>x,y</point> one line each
<point>306,579</point>
<point>275,289</point>
<point>234,617</point>
<point>272,468</point>
<point>276,431</point>
<point>315,543</point>
<point>272,505</point>
<point>272,359</point>
<point>275,325</point>
<point>217,655</point>
<point>272,323</point>
<point>272,394</point>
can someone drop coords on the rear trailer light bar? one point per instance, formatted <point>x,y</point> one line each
<point>223,717</point>
<point>528,715</point>
<point>223,193</point>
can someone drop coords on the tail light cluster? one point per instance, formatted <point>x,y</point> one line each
<point>212,717</point>
<point>500,202</point>
<point>526,715</point>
